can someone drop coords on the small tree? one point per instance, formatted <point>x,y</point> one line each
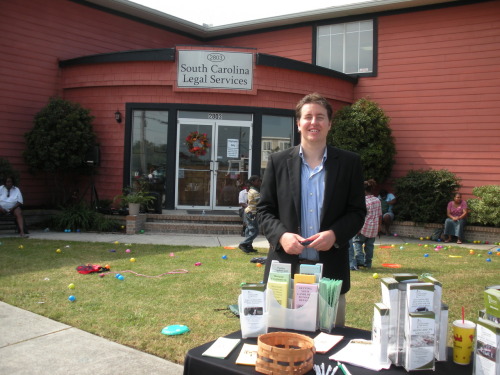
<point>59,142</point>
<point>422,195</point>
<point>364,128</point>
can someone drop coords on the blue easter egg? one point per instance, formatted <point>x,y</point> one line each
<point>426,255</point>
<point>72,298</point>
<point>121,278</point>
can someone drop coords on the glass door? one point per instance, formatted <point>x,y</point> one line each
<point>194,163</point>
<point>232,156</point>
<point>213,163</point>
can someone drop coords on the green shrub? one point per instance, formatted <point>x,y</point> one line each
<point>58,144</point>
<point>423,195</point>
<point>81,216</point>
<point>485,210</point>
<point>364,128</point>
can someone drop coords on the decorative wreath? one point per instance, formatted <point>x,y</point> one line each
<point>197,143</point>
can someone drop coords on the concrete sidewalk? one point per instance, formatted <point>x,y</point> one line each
<point>32,344</point>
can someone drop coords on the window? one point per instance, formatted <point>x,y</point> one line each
<point>346,47</point>
<point>276,136</point>
<point>149,148</point>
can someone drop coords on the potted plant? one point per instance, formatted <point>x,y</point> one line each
<point>135,197</point>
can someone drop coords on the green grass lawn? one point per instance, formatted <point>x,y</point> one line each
<point>33,276</point>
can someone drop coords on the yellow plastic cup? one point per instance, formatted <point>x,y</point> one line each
<point>463,339</point>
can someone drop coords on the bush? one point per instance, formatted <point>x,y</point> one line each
<point>423,195</point>
<point>364,128</point>
<point>485,210</point>
<point>58,145</point>
<point>81,216</point>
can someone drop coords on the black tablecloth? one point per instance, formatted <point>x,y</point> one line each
<point>196,364</point>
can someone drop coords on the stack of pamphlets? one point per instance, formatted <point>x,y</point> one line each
<point>487,355</point>
<point>329,292</point>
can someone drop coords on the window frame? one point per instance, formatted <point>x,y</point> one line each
<point>374,71</point>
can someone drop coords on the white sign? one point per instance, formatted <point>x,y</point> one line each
<point>215,70</point>
<point>233,147</point>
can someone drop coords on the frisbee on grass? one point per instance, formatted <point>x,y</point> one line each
<point>177,329</point>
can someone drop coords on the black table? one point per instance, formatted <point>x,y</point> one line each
<point>196,364</point>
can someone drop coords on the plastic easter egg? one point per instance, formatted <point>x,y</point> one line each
<point>72,298</point>
<point>197,264</point>
<point>401,248</point>
<point>58,251</point>
<point>172,254</point>
<point>421,238</point>
<point>258,264</point>
<point>375,276</point>
<point>490,252</point>
<point>71,286</point>
<point>426,255</point>
<point>488,259</point>
<point>132,260</point>
<point>471,252</point>
<point>224,257</point>
<point>121,277</point>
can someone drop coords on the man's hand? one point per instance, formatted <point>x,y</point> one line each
<point>323,241</point>
<point>291,243</point>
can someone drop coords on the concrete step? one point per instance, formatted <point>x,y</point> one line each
<point>184,222</point>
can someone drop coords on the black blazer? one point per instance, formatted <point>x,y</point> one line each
<point>344,209</point>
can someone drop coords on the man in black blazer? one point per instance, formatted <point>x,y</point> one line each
<point>313,193</point>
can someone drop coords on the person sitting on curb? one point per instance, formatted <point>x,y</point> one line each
<point>455,222</point>
<point>11,201</point>
<point>387,200</point>
<point>252,229</point>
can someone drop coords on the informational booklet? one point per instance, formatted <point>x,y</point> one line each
<point>324,342</point>
<point>248,355</point>
<point>221,348</point>
<point>359,353</point>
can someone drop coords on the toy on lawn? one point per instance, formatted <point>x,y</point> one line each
<point>426,255</point>
<point>490,252</point>
<point>224,257</point>
<point>258,264</point>
<point>172,254</point>
<point>375,275</point>
<point>121,277</point>
<point>21,246</point>
<point>58,251</point>
<point>421,238</point>
<point>471,252</point>
<point>127,251</point>
<point>116,242</point>
<point>177,329</point>
<point>71,286</point>
<point>197,264</point>
<point>488,259</point>
<point>91,268</point>
<point>72,298</point>
<point>132,260</point>
<point>401,248</point>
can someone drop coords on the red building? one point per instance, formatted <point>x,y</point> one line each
<point>431,65</point>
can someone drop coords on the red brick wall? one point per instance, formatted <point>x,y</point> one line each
<point>36,34</point>
<point>439,79</point>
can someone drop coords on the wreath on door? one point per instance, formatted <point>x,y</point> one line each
<point>197,143</point>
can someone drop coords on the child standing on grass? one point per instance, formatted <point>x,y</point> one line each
<point>368,233</point>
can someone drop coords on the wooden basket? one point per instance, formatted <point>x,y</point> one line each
<point>284,353</point>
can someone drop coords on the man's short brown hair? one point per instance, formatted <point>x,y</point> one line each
<point>314,98</point>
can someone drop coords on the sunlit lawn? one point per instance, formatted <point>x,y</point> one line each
<point>134,311</point>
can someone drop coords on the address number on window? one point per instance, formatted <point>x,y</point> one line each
<point>215,116</point>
